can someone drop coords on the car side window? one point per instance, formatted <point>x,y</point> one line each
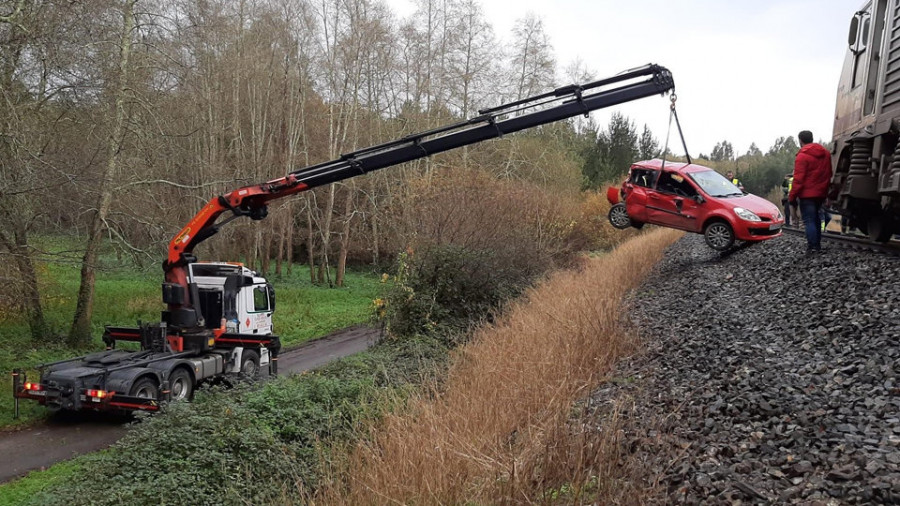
<point>671,182</point>
<point>643,177</point>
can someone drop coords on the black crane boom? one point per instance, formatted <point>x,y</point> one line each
<point>562,103</point>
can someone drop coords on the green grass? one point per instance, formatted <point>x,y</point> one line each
<point>125,293</point>
<point>35,482</point>
<point>304,311</point>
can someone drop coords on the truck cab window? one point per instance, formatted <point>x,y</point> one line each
<point>260,298</point>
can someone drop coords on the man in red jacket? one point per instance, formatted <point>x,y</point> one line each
<point>812,175</point>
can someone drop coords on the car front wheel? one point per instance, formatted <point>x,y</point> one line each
<point>719,235</point>
<point>618,217</point>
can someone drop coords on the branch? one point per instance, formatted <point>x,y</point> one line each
<point>173,183</point>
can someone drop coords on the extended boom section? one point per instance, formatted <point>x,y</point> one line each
<point>560,104</point>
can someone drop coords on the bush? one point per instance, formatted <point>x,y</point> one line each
<point>474,241</point>
<point>249,444</point>
<point>592,231</point>
<point>443,289</point>
<point>198,453</point>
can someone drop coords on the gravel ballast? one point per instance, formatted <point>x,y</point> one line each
<point>769,377</point>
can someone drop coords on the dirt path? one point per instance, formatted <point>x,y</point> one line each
<point>69,434</point>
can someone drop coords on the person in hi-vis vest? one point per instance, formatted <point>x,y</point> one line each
<point>735,181</point>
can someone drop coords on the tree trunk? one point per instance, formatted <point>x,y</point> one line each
<point>282,236</point>
<point>80,333</point>
<point>376,243</point>
<point>310,241</point>
<point>345,237</point>
<point>266,253</point>
<point>323,274</point>
<point>31,295</point>
<point>290,243</point>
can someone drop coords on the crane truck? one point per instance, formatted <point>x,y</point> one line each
<point>218,316</point>
<point>865,187</point>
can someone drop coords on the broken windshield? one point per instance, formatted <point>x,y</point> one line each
<point>715,184</point>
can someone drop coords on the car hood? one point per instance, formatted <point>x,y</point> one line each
<point>760,206</point>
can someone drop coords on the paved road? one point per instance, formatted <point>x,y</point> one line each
<point>69,434</point>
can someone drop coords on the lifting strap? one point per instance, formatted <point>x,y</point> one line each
<point>674,114</point>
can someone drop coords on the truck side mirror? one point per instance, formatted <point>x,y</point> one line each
<point>854,29</point>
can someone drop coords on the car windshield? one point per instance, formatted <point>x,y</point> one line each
<point>715,184</point>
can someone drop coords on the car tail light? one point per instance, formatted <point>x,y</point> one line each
<point>34,387</point>
<point>97,394</point>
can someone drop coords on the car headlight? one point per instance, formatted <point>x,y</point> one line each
<point>778,215</point>
<point>746,214</point>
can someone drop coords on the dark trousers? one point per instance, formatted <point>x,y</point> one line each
<point>787,211</point>
<point>810,209</point>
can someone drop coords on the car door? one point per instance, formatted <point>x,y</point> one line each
<point>640,182</point>
<point>673,203</point>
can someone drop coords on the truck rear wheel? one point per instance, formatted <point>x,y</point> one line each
<point>250,363</point>
<point>145,388</point>
<point>181,385</point>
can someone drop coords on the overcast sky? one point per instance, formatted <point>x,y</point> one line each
<point>745,71</point>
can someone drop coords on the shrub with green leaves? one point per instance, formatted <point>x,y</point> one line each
<point>251,443</point>
<point>474,242</point>
<point>442,290</point>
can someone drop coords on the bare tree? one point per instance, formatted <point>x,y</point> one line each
<point>532,60</point>
<point>36,58</point>
<point>80,333</point>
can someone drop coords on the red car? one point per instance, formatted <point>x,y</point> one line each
<point>693,198</point>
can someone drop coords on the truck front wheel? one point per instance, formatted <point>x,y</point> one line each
<point>250,363</point>
<point>181,385</point>
<point>145,388</point>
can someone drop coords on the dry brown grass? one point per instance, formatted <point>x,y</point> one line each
<point>500,430</point>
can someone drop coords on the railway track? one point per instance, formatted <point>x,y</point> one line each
<point>890,248</point>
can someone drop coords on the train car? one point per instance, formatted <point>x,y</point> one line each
<point>866,184</point>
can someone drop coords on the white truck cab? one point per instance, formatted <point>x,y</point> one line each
<point>232,292</point>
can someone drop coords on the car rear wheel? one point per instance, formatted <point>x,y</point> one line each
<point>719,235</point>
<point>618,216</point>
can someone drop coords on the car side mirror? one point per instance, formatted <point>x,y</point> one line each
<point>699,199</point>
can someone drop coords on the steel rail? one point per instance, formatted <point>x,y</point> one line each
<point>890,248</point>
